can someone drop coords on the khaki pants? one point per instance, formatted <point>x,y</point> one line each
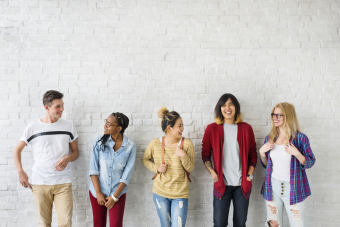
<point>61,194</point>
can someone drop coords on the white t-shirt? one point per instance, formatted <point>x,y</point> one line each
<point>179,143</point>
<point>281,163</point>
<point>50,143</point>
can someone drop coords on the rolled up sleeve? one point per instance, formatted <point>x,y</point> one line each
<point>130,165</point>
<point>307,153</point>
<point>94,161</point>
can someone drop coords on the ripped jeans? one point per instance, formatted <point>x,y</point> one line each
<point>281,196</point>
<point>171,212</point>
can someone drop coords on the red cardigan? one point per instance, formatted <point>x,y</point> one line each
<point>212,144</point>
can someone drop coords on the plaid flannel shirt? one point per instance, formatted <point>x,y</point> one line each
<point>299,187</point>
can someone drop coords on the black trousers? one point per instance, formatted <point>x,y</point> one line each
<point>221,207</point>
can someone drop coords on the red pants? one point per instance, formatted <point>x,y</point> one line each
<point>100,212</point>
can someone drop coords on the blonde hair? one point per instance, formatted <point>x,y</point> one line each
<point>168,118</point>
<point>290,125</point>
<point>220,121</point>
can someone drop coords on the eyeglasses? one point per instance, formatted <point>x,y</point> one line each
<point>108,124</point>
<point>278,116</point>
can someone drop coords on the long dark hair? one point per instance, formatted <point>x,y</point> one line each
<point>219,119</point>
<point>122,121</point>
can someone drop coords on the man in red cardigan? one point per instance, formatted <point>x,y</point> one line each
<point>232,144</point>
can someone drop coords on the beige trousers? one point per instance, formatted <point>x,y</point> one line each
<point>61,194</point>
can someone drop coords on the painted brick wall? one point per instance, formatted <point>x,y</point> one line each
<point>136,56</point>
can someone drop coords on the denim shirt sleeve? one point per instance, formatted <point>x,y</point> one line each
<point>94,161</point>
<point>130,165</point>
<point>306,152</point>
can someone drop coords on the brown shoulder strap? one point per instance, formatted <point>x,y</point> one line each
<point>163,162</point>
<point>163,142</point>
<point>182,142</point>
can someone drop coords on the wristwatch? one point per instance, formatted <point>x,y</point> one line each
<point>250,176</point>
<point>114,198</point>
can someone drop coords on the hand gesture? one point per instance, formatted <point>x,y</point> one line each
<point>266,147</point>
<point>162,168</point>
<point>180,152</point>
<point>110,202</point>
<point>291,149</point>
<point>61,164</point>
<point>23,179</point>
<point>101,198</point>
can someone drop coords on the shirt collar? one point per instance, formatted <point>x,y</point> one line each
<point>125,140</point>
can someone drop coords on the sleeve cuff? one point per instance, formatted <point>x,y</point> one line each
<point>93,172</point>
<point>206,159</point>
<point>253,164</point>
<point>25,140</point>
<point>74,138</point>
<point>155,168</point>
<point>305,165</point>
<point>124,181</point>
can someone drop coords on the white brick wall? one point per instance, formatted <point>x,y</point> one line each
<point>135,56</point>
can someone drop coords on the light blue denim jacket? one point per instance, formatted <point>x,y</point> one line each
<point>112,167</point>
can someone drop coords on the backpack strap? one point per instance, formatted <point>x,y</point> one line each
<point>182,143</point>
<point>163,161</point>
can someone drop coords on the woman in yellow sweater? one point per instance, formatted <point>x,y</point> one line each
<point>171,186</point>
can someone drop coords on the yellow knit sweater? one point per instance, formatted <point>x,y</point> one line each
<point>174,183</point>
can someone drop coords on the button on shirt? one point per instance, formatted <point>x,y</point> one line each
<point>112,167</point>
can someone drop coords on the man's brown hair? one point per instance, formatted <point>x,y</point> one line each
<point>50,95</point>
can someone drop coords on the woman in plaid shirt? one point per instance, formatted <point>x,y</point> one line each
<point>285,155</point>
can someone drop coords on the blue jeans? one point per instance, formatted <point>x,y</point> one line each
<point>221,207</point>
<point>281,197</point>
<point>171,212</point>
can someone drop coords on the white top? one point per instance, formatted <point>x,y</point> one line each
<point>231,162</point>
<point>50,143</point>
<point>281,163</point>
<point>160,140</point>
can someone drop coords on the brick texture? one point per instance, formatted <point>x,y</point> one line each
<point>136,56</point>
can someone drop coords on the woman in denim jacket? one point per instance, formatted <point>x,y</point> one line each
<point>286,154</point>
<point>111,166</point>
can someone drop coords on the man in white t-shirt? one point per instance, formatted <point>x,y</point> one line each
<point>54,144</point>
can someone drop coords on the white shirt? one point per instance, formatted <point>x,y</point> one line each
<point>281,163</point>
<point>179,143</point>
<point>231,161</point>
<point>50,143</point>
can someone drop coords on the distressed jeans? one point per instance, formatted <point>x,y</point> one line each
<point>281,197</point>
<point>171,212</point>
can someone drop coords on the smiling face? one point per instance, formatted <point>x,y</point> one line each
<point>177,130</point>
<point>278,121</point>
<point>228,111</point>
<point>56,109</point>
<point>111,127</point>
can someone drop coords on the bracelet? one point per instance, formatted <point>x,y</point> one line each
<point>114,198</point>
